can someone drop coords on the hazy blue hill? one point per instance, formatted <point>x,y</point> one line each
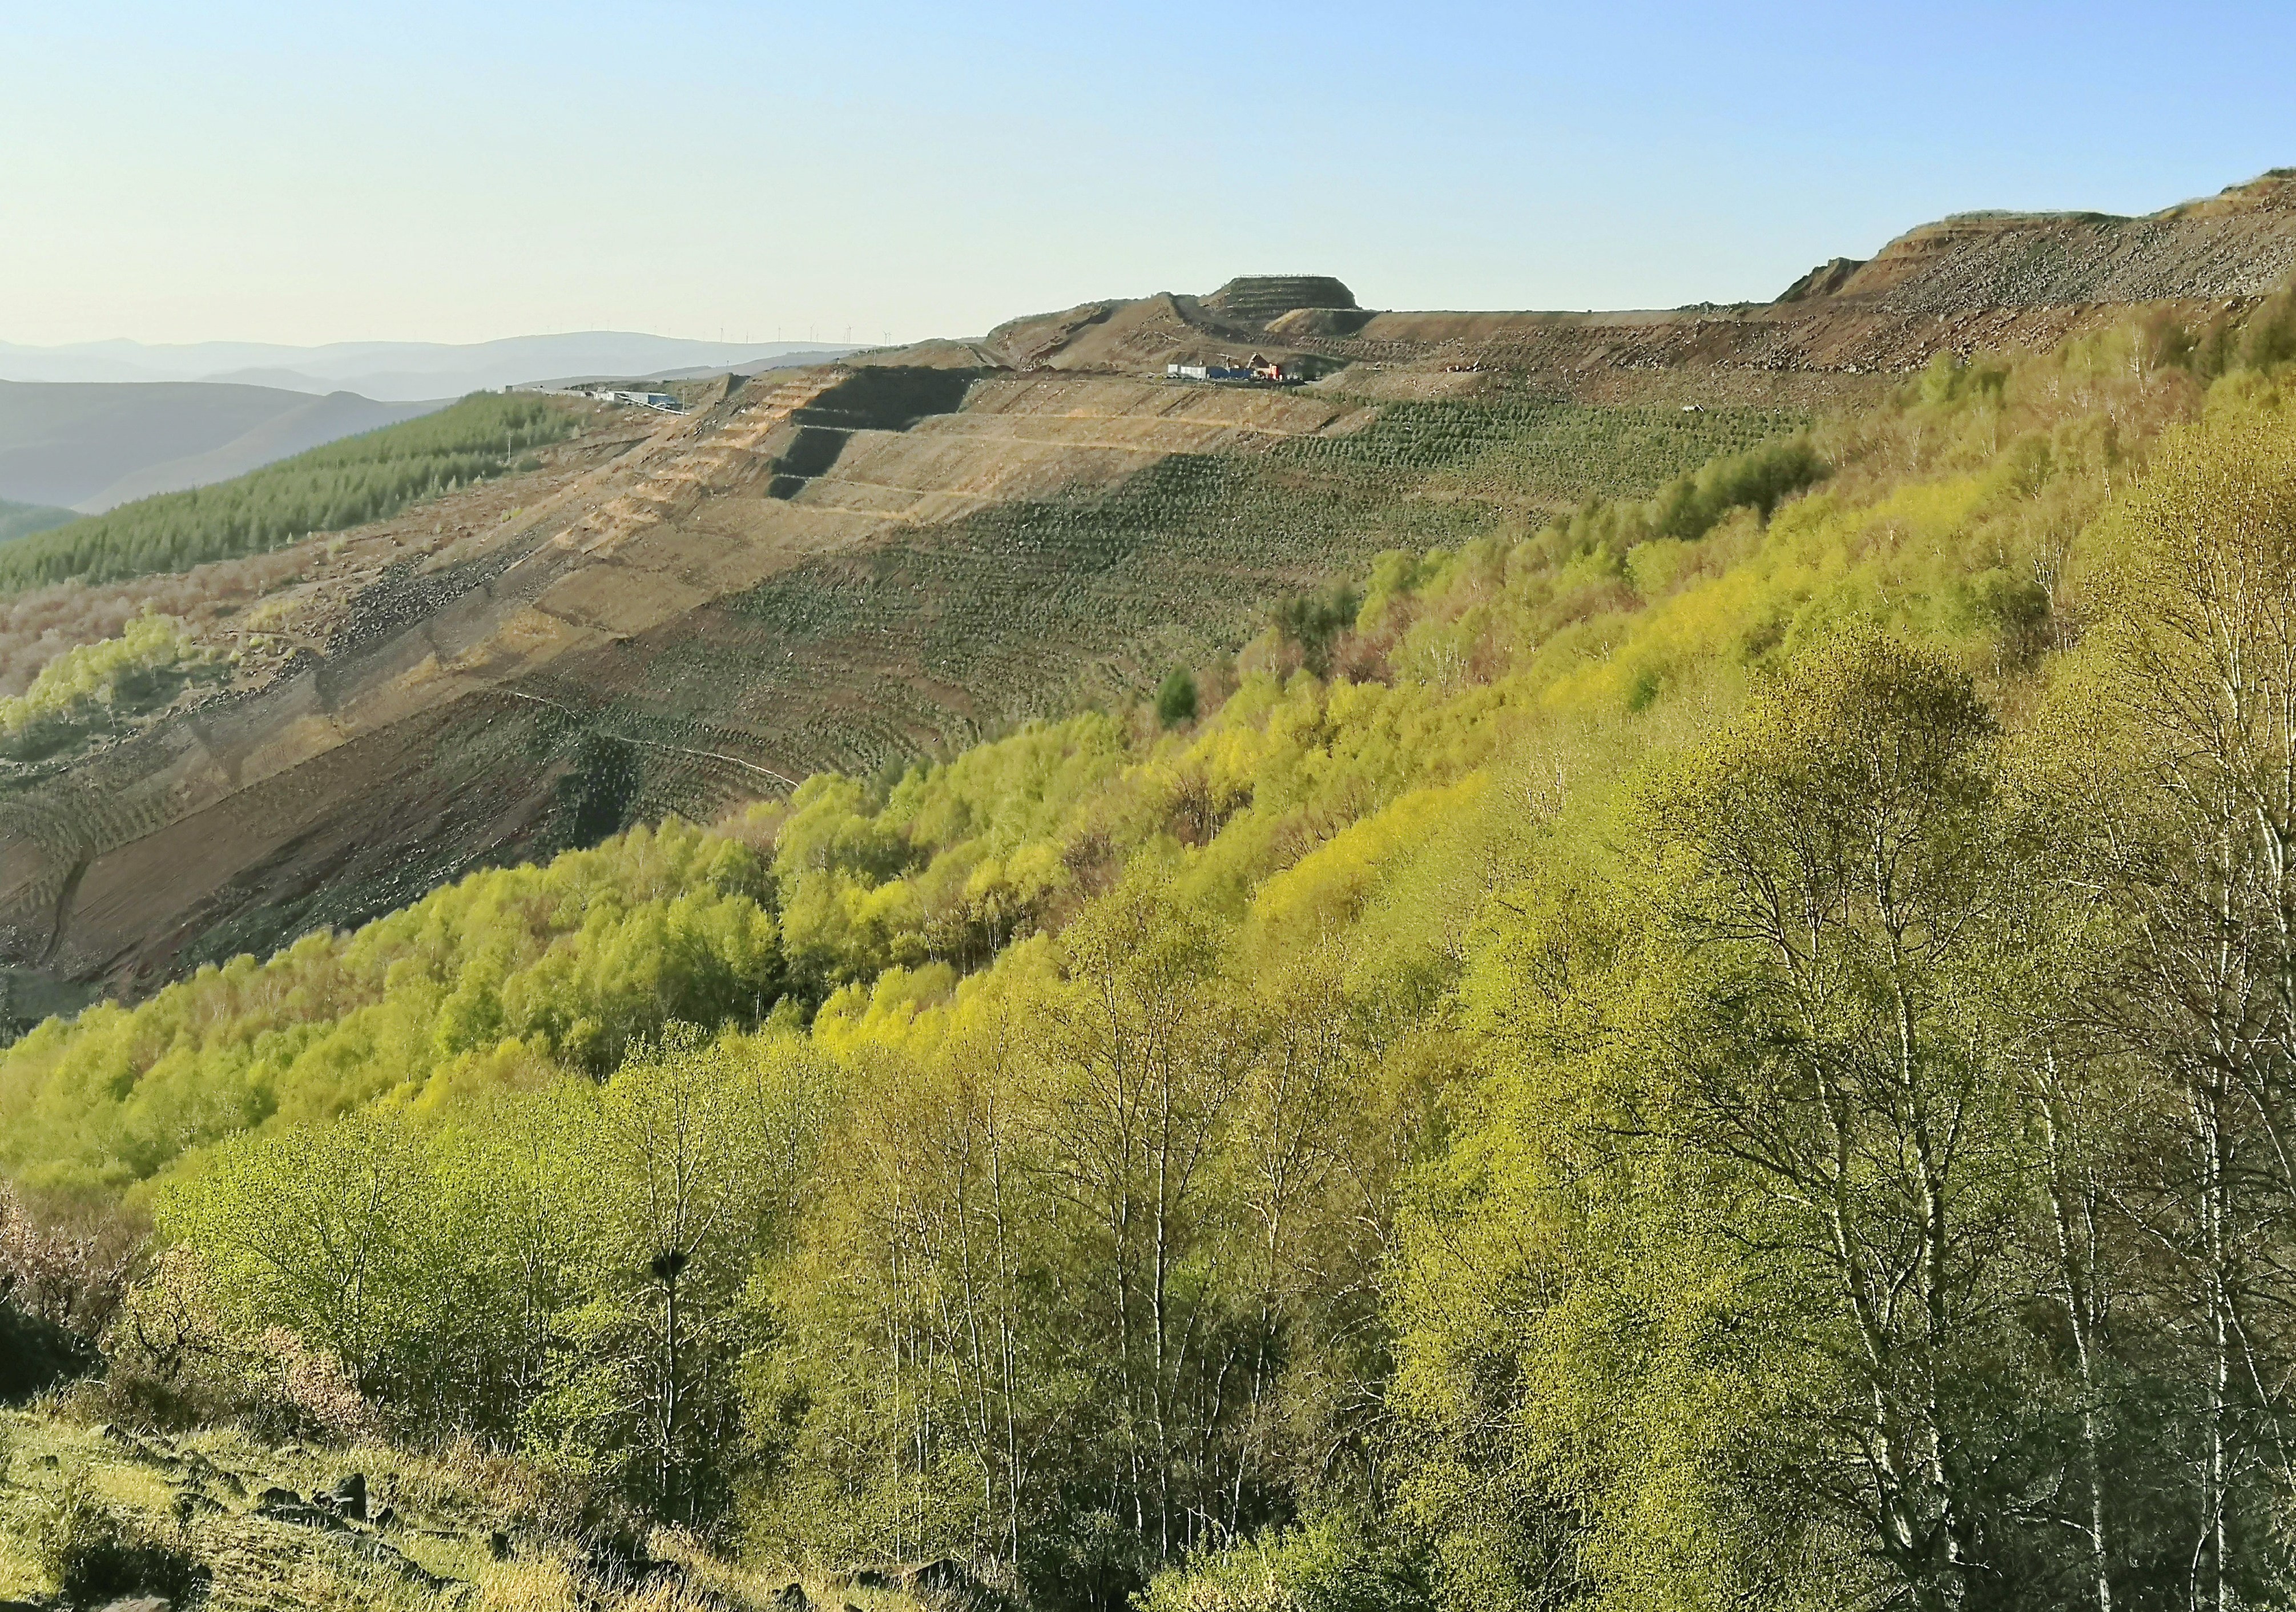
<point>22,520</point>
<point>312,423</point>
<point>92,444</point>
<point>395,371</point>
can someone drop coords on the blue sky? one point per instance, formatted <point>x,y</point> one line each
<point>458,172</point>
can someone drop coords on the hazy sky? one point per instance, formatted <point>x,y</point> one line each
<point>454,172</point>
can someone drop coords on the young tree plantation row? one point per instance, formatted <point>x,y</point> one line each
<point>1735,1050</point>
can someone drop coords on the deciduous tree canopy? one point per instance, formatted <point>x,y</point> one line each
<point>1734,1051</point>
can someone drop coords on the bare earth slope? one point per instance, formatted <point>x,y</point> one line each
<point>850,565</point>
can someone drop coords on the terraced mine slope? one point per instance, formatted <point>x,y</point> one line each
<point>853,567</point>
<point>847,566</point>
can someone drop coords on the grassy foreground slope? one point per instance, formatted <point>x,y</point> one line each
<point>105,1508</point>
<point>1627,1061</point>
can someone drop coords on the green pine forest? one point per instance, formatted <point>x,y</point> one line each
<point>1732,1052</point>
<point>369,477</point>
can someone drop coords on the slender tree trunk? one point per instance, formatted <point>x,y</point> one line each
<point>2077,1273</point>
<point>2214,1217</point>
<point>669,1406</point>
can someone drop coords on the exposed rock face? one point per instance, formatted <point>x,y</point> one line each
<point>2022,262</point>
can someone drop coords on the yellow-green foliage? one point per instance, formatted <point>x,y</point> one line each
<point>1190,1102</point>
<point>90,677</point>
<point>1948,520</point>
<point>506,972</point>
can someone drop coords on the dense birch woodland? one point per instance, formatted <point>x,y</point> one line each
<point>1732,1052</point>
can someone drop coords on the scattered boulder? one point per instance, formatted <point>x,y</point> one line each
<point>293,1508</point>
<point>117,1563</point>
<point>350,1496</point>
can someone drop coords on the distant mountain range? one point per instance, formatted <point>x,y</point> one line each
<point>398,372</point>
<point>87,446</point>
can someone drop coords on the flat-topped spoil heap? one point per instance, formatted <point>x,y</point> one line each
<point>1260,299</point>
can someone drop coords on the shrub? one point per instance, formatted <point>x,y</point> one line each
<point>1313,621</point>
<point>94,683</point>
<point>1951,379</point>
<point>2270,337</point>
<point>65,1270</point>
<point>1176,701</point>
<point>95,1556</point>
<point>1328,1565</point>
<point>36,1354</point>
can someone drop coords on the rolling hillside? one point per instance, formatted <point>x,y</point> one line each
<point>847,567</point>
<point>89,446</point>
<point>21,519</point>
<point>1417,1119</point>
